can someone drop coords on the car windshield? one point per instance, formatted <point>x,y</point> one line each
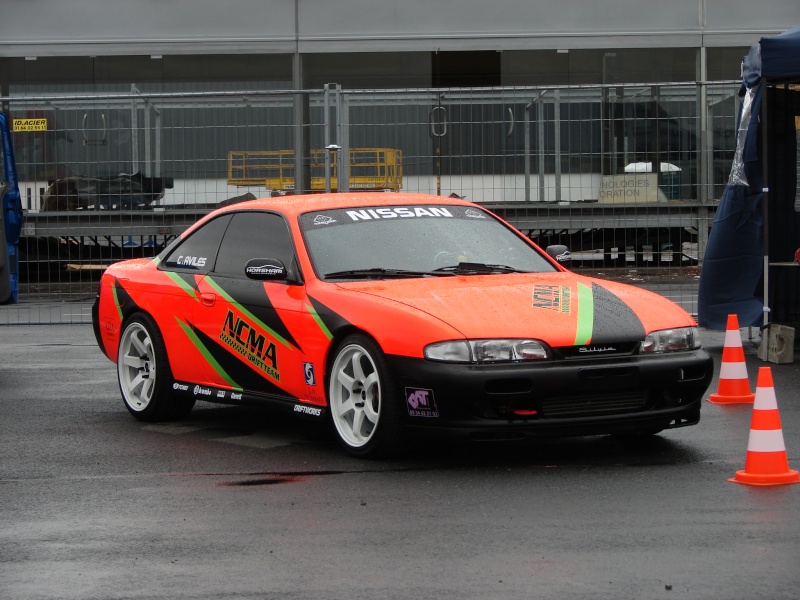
<point>414,241</point>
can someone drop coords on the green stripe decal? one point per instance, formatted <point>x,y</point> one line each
<point>583,333</point>
<point>319,321</point>
<point>116,301</point>
<point>250,315</point>
<point>181,283</point>
<point>207,355</point>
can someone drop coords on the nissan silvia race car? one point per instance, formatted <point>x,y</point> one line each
<point>386,313</point>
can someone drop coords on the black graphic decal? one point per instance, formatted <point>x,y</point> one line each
<point>244,376</point>
<point>252,296</point>
<point>124,301</point>
<point>614,321</point>
<point>189,278</point>
<point>332,320</point>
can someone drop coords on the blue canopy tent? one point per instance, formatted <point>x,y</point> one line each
<point>747,268</point>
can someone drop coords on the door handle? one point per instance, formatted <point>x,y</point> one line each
<point>208,299</point>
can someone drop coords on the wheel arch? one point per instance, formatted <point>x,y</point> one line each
<point>158,403</point>
<point>339,336</point>
<point>138,310</point>
<point>387,436</point>
<point>129,312</point>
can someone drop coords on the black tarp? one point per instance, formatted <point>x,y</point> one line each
<point>744,236</point>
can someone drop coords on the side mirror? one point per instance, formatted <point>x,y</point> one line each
<point>560,253</point>
<point>265,269</point>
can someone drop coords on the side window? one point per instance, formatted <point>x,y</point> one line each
<point>199,250</point>
<point>254,235</point>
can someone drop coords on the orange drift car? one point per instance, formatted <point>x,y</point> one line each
<point>389,312</point>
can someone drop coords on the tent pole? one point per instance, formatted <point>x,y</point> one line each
<point>765,196</point>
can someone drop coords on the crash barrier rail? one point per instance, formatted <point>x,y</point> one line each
<point>627,176</point>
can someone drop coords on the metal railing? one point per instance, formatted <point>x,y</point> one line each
<point>368,169</point>
<point>627,176</point>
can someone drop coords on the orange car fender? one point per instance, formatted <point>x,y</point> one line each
<point>159,294</point>
<point>387,321</point>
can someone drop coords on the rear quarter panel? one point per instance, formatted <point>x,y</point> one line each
<point>138,286</point>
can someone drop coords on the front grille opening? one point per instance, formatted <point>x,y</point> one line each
<point>514,385</point>
<point>579,406</point>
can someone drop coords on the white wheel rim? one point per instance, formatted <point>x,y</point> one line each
<point>136,366</point>
<point>355,395</point>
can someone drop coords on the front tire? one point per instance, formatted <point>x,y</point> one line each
<point>364,407</point>
<point>144,375</point>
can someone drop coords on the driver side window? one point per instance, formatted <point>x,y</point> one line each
<point>198,252</point>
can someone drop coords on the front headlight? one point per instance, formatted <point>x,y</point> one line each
<point>487,351</point>
<point>671,340</point>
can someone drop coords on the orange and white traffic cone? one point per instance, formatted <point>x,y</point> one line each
<point>734,386</point>
<point>766,462</point>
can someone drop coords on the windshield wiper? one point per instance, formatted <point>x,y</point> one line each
<point>381,273</point>
<point>471,268</point>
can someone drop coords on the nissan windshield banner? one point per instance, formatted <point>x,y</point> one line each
<point>348,216</point>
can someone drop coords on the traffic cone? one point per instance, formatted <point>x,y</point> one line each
<point>734,387</point>
<point>766,462</point>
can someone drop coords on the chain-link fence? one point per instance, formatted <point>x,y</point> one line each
<point>626,176</point>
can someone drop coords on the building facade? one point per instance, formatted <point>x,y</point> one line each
<point>367,44</point>
<point>608,125</point>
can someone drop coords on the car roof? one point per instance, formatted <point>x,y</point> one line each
<point>295,205</point>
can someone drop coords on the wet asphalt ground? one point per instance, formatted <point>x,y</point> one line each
<point>240,503</point>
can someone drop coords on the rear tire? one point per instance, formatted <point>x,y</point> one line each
<point>364,407</point>
<point>144,375</point>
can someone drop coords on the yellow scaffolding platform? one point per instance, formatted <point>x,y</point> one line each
<point>370,169</point>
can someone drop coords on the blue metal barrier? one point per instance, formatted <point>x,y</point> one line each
<point>12,216</point>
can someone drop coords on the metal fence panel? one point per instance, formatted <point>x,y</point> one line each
<point>626,176</point>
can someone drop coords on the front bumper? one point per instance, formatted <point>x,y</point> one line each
<point>556,398</point>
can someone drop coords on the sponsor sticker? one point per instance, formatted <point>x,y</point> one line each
<point>264,269</point>
<point>370,214</point>
<point>553,297</point>
<point>308,410</point>
<point>323,220</point>
<point>244,338</point>
<point>308,372</point>
<point>420,403</point>
<point>199,390</point>
<point>29,124</point>
<point>403,212</point>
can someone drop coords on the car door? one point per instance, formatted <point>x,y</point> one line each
<point>250,327</point>
<point>175,289</point>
